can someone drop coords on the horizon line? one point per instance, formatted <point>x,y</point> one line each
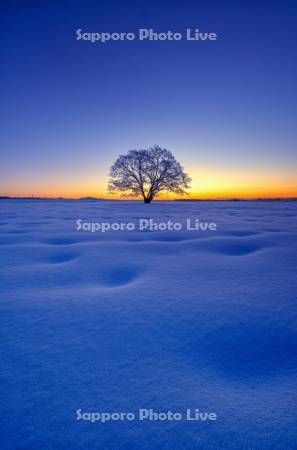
<point>184,199</point>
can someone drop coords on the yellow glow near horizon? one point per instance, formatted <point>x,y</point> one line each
<point>210,183</point>
<point>206,183</point>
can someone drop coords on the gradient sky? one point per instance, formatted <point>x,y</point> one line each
<point>226,109</point>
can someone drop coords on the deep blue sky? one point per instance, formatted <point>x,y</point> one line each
<point>226,108</point>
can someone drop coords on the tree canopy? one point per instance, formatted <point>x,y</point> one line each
<point>148,172</point>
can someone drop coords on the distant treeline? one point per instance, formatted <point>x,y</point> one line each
<point>49,198</point>
<point>281,199</point>
<point>288,199</point>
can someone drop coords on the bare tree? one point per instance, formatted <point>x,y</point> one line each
<point>147,172</point>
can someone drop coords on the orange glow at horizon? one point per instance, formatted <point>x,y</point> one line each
<point>206,183</point>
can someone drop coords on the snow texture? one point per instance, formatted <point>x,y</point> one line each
<point>125,320</point>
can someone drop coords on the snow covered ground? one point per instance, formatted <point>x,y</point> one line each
<point>167,320</point>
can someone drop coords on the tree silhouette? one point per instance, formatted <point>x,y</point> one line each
<point>147,172</point>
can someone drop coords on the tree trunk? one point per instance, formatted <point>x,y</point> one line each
<point>147,200</point>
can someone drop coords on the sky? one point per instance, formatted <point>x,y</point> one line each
<point>225,108</point>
